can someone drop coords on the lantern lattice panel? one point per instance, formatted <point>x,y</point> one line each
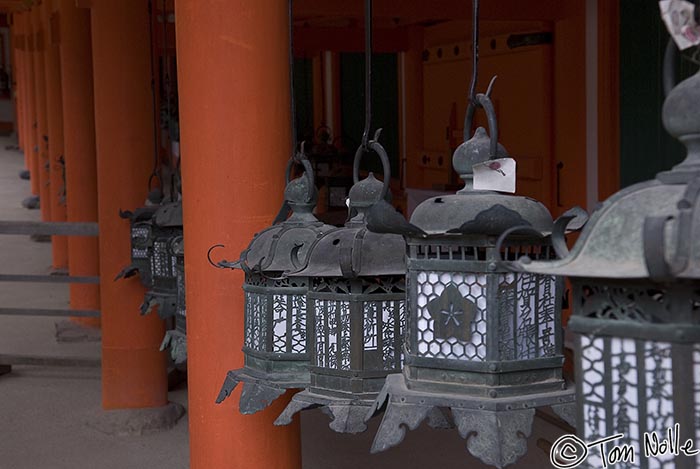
<point>289,323</point>
<point>139,236</point>
<point>162,261</point>
<point>271,301</point>
<point>622,395</point>
<point>332,334</point>
<point>256,305</point>
<point>430,344</point>
<point>623,303</point>
<point>181,306</point>
<point>382,321</point>
<point>527,310</point>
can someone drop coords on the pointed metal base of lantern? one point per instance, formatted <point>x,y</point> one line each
<point>258,393</point>
<point>347,414</point>
<point>166,303</point>
<point>496,429</point>
<point>177,342</point>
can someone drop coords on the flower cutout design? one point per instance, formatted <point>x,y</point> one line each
<point>452,314</point>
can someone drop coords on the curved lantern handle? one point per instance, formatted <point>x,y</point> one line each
<point>483,101</point>
<point>669,74</point>
<point>381,152</point>
<point>560,226</point>
<point>654,237</point>
<point>302,159</point>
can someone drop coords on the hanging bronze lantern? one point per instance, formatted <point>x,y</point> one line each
<point>166,224</point>
<point>635,272</point>
<point>176,338</point>
<point>482,341</point>
<point>276,343</point>
<point>141,244</point>
<point>356,311</point>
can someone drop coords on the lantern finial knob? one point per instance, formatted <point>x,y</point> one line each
<point>680,118</point>
<point>480,147</point>
<point>473,151</point>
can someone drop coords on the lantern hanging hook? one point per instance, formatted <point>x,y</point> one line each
<point>475,51</point>
<point>368,74</point>
<point>155,173</point>
<point>291,81</point>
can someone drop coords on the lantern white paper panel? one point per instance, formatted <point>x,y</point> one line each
<point>332,334</point>
<point>162,263</point>
<point>622,390</point>
<point>139,234</point>
<point>285,309</point>
<point>255,320</point>
<point>472,287</point>
<point>527,309</point>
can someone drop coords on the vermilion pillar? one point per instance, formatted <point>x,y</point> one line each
<point>54,118</point>
<point>233,84</point>
<point>17,35</point>
<point>79,150</point>
<point>40,116</point>
<point>133,370</point>
<point>30,147</point>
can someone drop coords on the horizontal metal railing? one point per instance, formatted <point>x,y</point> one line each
<point>49,229</point>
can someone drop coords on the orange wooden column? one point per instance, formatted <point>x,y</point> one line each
<point>30,147</point>
<point>133,370</point>
<point>40,116</point>
<point>79,150</point>
<point>17,35</point>
<point>54,115</point>
<point>233,84</point>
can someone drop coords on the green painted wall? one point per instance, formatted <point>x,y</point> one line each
<point>645,147</point>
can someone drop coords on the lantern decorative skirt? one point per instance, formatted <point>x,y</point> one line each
<point>356,304</point>
<point>276,347</point>
<point>635,272</point>
<point>176,338</point>
<point>483,341</point>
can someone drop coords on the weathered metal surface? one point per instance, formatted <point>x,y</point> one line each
<point>482,341</point>
<point>276,344</point>
<point>347,414</point>
<point>635,273</point>
<point>496,429</point>
<point>356,302</point>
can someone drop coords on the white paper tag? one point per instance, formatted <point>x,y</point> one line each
<point>495,175</point>
<point>678,17</point>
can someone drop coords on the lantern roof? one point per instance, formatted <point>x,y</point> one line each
<point>140,214</point>
<point>168,215</point>
<point>353,250</point>
<point>285,245</point>
<point>652,229</point>
<point>479,212</point>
